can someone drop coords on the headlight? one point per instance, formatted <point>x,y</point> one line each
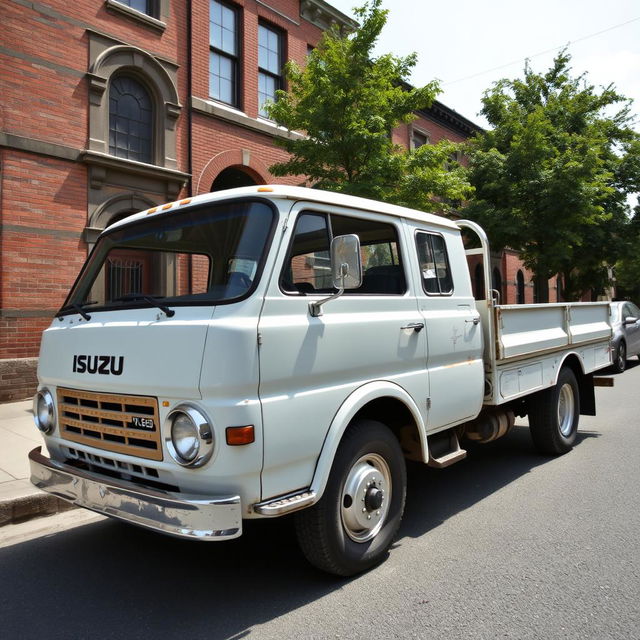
<point>190,436</point>
<point>44,411</point>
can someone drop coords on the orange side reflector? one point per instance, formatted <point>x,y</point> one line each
<point>265,189</point>
<point>185,201</point>
<point>167,206</point>
<point>240,435</point>
<point>152,210</point>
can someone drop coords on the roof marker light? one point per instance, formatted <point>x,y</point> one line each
<point>152,210</point>
<point>167,206</point>
<point>185,201</point>
<point>265,189</point>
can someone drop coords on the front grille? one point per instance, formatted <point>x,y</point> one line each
<point>118,423</point>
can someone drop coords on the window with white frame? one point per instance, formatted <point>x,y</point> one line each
<point>223,54</point>
<point>269,66</point>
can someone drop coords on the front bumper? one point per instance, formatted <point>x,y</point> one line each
<point>186,516</point>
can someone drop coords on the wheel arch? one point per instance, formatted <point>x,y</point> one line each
<point>585,383</point>
<point>382,401</point>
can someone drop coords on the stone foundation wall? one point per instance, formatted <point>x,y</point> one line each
<point>18,379</point>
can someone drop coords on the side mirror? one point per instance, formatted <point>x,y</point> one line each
<point>346,264</point>
<point>346,269</point>
<point>630,320</point>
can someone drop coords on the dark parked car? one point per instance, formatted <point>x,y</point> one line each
<point>625,318</point>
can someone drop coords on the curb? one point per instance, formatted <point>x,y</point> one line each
<point>30,503</point>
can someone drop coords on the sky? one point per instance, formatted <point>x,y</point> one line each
<point>470,44</point>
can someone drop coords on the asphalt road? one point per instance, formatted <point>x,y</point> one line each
<point>505,544</point>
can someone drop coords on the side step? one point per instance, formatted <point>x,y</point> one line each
<point>444,449</point>
<point>285,504</point>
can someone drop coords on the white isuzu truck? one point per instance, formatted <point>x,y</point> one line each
<point>272,349</point>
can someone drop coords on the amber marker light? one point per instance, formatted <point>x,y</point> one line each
<point>185,201</point>
<point>152,210</point>
<point>167,206</point>
<point>237,436</point>
<point>265,189</point>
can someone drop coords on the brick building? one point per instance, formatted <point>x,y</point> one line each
<point>129,104</point>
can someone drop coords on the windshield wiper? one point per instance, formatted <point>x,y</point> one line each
<point>77,307</point>
<point>151,300</point>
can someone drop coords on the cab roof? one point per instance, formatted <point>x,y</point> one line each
<point>303,194</point>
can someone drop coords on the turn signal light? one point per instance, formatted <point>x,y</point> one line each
<point>237,436</point>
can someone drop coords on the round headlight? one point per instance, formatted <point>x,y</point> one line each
<point>184,435</point>
<point>190,440</point>
<point>44,411</point>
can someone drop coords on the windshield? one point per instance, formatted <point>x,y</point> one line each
<point>202,255</point>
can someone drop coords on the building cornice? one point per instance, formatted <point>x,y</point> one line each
<point>323,15</point>
<point>450,118</point>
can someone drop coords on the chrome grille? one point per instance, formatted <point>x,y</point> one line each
<point>119,423</point>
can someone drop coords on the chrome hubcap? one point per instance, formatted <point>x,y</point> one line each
<point>566,409</point>
<point>366,497</point>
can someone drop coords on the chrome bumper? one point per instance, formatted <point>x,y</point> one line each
<point>180,515</point>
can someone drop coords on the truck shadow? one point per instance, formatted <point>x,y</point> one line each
<point>113,580</point>
<point>487,468</point>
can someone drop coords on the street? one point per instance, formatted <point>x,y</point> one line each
<point>507,543</point>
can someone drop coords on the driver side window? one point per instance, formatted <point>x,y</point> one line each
<point>308,269</point>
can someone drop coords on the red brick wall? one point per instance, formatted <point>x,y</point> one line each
<point>45,96</point>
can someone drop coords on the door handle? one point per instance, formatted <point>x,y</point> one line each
<point>475,320</point>
<point>416,326</point>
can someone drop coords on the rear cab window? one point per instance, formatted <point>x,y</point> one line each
<point>435,270</point>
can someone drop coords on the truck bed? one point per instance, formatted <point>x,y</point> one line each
<point>525,345</point>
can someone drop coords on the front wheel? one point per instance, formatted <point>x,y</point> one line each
<point>353,525</point>
<point>554,415</point>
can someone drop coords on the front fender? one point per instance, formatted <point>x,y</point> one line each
<point>345,414</point>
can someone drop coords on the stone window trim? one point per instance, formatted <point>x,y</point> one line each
<point>128,60</point>
<point>158,24</point>
<point>421,132</point>
<point>104,214</point>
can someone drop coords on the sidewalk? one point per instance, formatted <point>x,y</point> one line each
<point>19,499</point>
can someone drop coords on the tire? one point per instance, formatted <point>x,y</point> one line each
<point>352,526</point>
<point>554,415</point>
<point>620,357</point>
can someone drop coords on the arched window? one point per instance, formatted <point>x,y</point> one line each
<point>559,291</point>
<point>479,282</point>
<point>231,177</point>
<point>496,282</point>
<point>130,120</point>
<point>520,287</point>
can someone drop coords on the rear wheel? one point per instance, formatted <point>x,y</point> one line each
<point>351,528</point>
<point>554,415</point>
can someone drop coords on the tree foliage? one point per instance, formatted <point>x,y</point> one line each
<point>347,103</point>
<point>552,175</point>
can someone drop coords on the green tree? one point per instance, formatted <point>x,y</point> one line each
<point>347,103</point>
<point>552,174</point>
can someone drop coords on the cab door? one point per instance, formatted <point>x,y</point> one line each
<point>452,324</point>
<point>310,365</point>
